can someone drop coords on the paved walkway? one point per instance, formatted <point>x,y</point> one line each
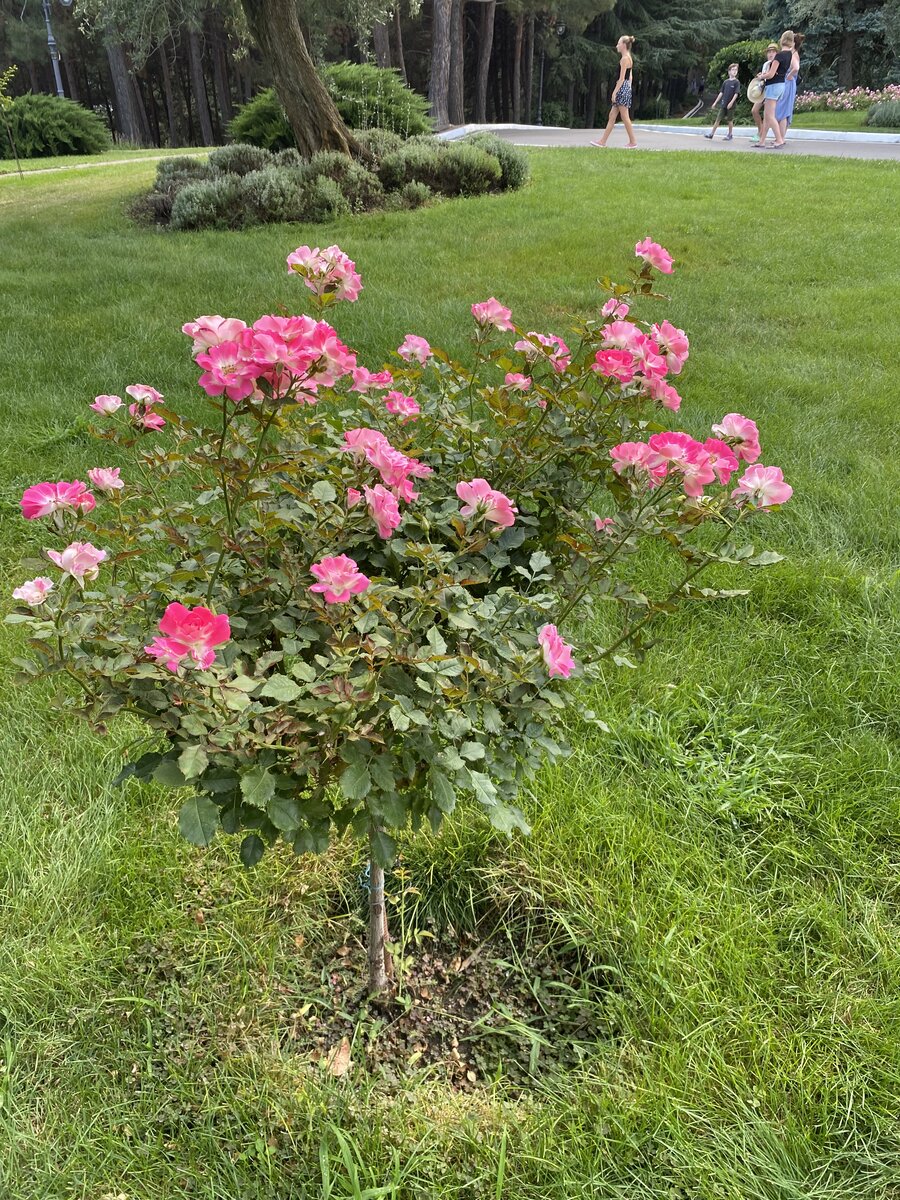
<point>656,139</point>
<point>106,162</point>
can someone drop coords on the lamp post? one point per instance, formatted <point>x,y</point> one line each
<point>52,46</point>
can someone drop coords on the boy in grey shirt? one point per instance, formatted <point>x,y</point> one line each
<point>726,100</point>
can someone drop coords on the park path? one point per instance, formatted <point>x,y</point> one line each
<point>107,162</point>
<point>649,139</point>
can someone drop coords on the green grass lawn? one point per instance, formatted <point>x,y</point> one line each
<point>116,155</point>
<point>844,122</point>
<point>724,862</point>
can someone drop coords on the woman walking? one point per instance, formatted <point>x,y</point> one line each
<point>621,97</point>
<point>784,112</point>
<point>774,77</point>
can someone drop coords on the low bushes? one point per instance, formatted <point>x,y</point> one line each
<point>841,100</point>
<point>45,126</point>
<point>243,185</point>
<point>885,112</point>
<point>367,97</point>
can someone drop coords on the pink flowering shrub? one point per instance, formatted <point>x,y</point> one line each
<point>364,601</point>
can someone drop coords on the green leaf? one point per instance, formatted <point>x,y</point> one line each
<point>284,812</point>
<point>399,719</point>
<point>483,787</point>
<point>198,820</point>
<point>435,641</point>
<point>323,491</point>
<point>390,808</point>
<point>356,782</point>
<point>302,670</point>
<point>442,790</point>
<point>168,773</point>
<point>473,751</point>
<point>252,849</point>
<point>381,769</point>
<point>765,559</point>
<point>312,841</point>
<point>258,786</point>
<point>384,848</point>
<point>493,721</point>
<point>192,761</point>
<point>279,687</point>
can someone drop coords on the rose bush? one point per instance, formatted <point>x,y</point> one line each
<point>339,605</point>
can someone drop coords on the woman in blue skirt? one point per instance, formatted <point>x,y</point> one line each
<point>621,97</point>
<point>784,111</point>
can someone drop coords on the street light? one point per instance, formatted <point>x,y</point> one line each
<point>52,46</point>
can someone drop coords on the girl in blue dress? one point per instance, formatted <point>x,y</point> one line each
<point>784,110</point>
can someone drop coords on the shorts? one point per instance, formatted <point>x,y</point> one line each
<point>774,91</point>
<point>623,96</point>
<point>726,113</point>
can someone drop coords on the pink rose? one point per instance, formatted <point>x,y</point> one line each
<point>327,272</point>
<point>763,486</point>
<point>226,369</point>
<point>603,524</point>
<point>688,457</point>
<point>655,255</point>
<point>106,404</point>
<point>212,331</point>
<point>555,349</point>
<point>652,364</point>
<point>402,406</point>
<point>353,497</point>
<point>338,579</point>
<point>615,364</point>
<point>367,381</point>
<point>557,653</point>
<point>492,312</point>
<point>519,383</point>
<point>622,335</point>
<point>34,592</point>
<point>740,433</point>
<point>615,308</point>
<point>414,349</point>
<point>193,632</point>
<point>663,392</point>
<point>44,499</point>
<point>144,395</point>
<point>482,501</point>
<point>721,459</point>
<point>639,458</point>
<point>81,560</point>
<point>383,509</point>
<point>106,479</point>
<point>145,417</point>
<point>673,344</point>
<point>358,441</point>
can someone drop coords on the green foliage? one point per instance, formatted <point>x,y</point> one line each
<point>261,122</point>
<point>290,157</point>
<point>415,194</point>
<point>211,204</point>
<point>379,142</point>
<point>274,194</point>
<point>324,200</point>
<point>239,159</point>
<point>361,188</point>
<point>369,97</point>
<point>451,168</point>
<point>43,126</point>
<point>885,112</point>
<point>749,56</point>
<point>515,168</point>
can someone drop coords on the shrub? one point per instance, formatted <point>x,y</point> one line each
<point>885,112</point>
<point>749,56</point>
<point>261,122</point>
<point>239,159</point>
<point>362,189</point>
<point>290,157</point>
<point>844,100</point>
<point>180,169</point>
<point>453,168</point>
<point>515,168</point>
<point>414,161</point>
<point>210,204</point>
<point>275,194</point>
<point>370,97</point>
<point>379,142</point>
<point>415,195</point>
<point>44,126</point>
<point>302,672</point>
<point>323,200</point>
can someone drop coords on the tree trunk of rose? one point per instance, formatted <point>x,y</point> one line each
<point>382,41</point>
<point>485,44</point>
<point>456,102</point>
<point>311,112</point>
<point>439,88</point>
<point>381,966</point>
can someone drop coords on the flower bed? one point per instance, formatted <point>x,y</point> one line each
<point>845,101</point>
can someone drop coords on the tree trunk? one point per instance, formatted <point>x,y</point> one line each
<point>439,85</point>
<point>381,966</point>
<point>845,61</point>
<point>398,44</point>
<point>72,80</point>
<point>221,81</point>
<point>127,118</point>
<point>171,119</point>
<point>517,68</point>
<point>140,108</point>
<point>382,39</point>
<point>485,43</point>
<point>456,105</point>
<point>198,86</point>
<point>590,107</point>
<point>311,112</point>
<point>529,72</point>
